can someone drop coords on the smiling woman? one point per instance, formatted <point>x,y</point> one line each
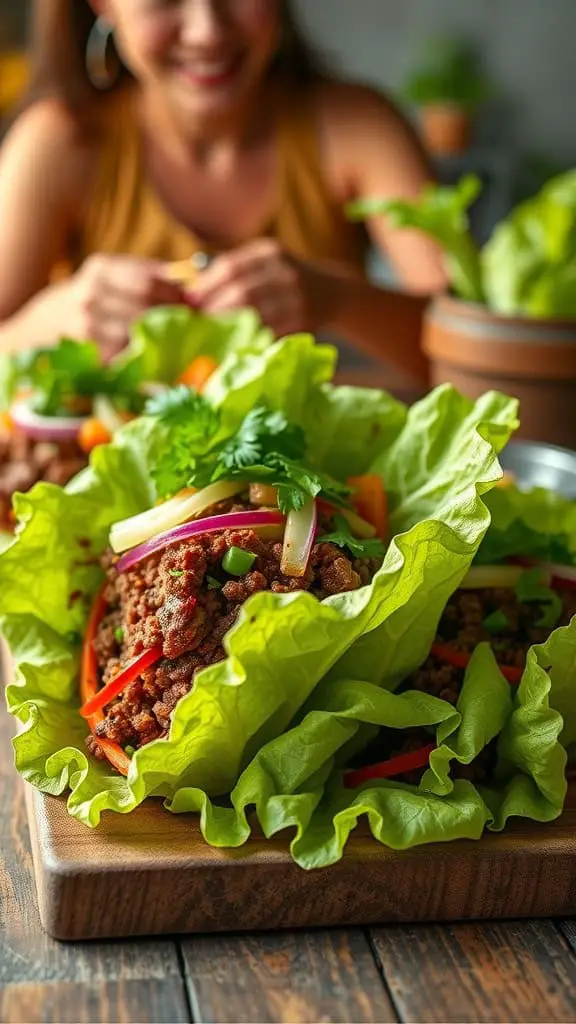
<point>157,131</point>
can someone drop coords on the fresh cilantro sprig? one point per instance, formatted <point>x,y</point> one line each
<point>190,424</point>
<point>269,449</point>
<point>266,448</point>
<point>360,547</point>
<point>70,370</point>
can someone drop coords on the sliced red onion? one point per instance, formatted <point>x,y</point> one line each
<point>231,521</point>
<point>45,428</point>
<point>298,540</point>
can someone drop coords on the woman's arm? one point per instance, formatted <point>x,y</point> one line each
<point>370,150</point>
<point>45,171</point>
<point>42,168</point>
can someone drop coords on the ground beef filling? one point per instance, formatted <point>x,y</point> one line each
<point>182,599</point>
<point>462,627</point>
<point>23,462</point>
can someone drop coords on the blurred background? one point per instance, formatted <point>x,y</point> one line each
<point>522,119</point>
<point>490,84</point>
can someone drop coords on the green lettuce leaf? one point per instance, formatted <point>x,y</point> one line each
<point>295,782</point>
<point>168,338</point>
<point>434,473</point>
<point>283,645</point>
<point>162,345</point>
<point>441,213</point>
<point>529,264</point>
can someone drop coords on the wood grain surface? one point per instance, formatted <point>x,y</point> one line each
<point>479,972</point>
<point>308,976</point>
<point>150,873</point>
<point>499,972</point>
<point>41,980</point>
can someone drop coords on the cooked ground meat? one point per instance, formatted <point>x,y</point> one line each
<point>462,627</point>
<point>182,599</point>
<point>23,462</point>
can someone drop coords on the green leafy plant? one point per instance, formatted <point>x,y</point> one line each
<point>527,267</point>
<point>442,213</point>
<point>449,73</point>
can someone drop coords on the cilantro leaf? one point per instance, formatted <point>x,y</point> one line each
<point>266,448</point>
<point>71,369</point>
<point>261,434</point>
<point>181,406</point>
<point>361,547</point>
<point>191,424</point>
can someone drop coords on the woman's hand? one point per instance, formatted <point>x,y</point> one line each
<point>108,293</point>
<point>289,294</point>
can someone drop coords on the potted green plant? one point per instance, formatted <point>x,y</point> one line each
<point>447,89</point>
<point>509,322</point>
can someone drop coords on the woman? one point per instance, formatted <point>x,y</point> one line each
<point>159,129</point>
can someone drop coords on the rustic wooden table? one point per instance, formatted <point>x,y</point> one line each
<point>517,971</point>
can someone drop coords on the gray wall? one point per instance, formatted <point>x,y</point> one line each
<point>529,47</point>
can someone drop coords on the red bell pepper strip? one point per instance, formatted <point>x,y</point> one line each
<point>126,676</point>
<point>113,752</point>
<point>370,501</point>
<point>398,765</point>
<point>461,659</point>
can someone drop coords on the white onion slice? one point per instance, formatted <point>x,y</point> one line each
<point>133,531</point>
<point>298,540</point>
<point>45,428</point>
<point>507,576</point>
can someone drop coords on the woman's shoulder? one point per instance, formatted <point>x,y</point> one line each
<point>360,126</point>
<point>48,131</point>
<point>349,106</point>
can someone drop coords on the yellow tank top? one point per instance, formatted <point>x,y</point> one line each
<point>125,215</point>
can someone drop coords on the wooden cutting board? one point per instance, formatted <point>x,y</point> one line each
<point>150,873</point>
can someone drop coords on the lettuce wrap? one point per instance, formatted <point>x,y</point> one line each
<point>305,682</point>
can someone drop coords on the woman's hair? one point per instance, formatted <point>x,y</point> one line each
<point>60,30</point>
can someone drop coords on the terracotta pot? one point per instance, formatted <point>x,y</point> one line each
<point>534,360</point>
<point>446,129</point>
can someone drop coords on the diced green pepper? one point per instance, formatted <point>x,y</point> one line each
<point>238,562</point>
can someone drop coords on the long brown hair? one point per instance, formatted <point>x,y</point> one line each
<point>59,36</point>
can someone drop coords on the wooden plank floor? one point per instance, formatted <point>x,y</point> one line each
<point>469,972</point>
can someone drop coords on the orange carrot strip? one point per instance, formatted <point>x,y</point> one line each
<point>92,433</point>
<point>370,501</point>
<point>197,375</point>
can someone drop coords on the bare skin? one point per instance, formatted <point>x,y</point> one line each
<point>209,149</point>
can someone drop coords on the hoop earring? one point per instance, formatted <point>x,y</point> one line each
<point>97,64</point>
